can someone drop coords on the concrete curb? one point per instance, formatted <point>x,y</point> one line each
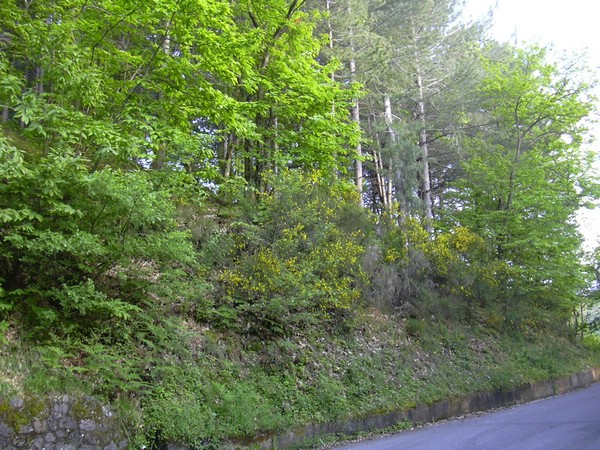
<point>444,409</point>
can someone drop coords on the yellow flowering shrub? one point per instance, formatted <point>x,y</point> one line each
<point>303,266</point>
<point>442,259</point>
<point>404,239</point>
<point>464,240</point>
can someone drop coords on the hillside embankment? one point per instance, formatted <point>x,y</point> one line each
<point>386,374</point>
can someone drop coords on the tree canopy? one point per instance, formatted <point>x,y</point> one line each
<point>268,168</point>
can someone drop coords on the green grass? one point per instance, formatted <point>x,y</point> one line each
<point>372,372</point>
<point>232,387</point>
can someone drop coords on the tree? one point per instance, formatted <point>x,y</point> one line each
<point>526,175</point>
<point>296,113</point>
<point>421,85</point>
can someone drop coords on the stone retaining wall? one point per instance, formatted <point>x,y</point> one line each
<point>441,410</point>
<point>59,423</point>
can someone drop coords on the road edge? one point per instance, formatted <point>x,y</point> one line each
<point>423,414</point>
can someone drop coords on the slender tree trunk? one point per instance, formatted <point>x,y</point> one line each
<point>276,146</point>
<point>39,80</point>
<point>391,138</point>
<point>424,145</point>
<point>161,152</point>
<point>330,31</point>
<point>358,168</point>
<point>248,162</point>
<point>390,190</point>
<point>381,182</point>
<point>227,158</point>
<point>385,185</point>
<point>513,172</point>
<point>39,87</point>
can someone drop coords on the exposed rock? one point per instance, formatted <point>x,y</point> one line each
<point>59,422</point>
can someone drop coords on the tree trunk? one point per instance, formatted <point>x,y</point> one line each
<point>391,138</point>
<point>358,168</point>
<point>330,31</point>
<point>227,157</point>
<point>385,185</point>
<point>161,151</point>
<point>276,146</point>
<point>381,182</point>
<point>423,144</point>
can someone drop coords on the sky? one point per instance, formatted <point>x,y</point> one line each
<point>572,29</point>
<point>569,25</point>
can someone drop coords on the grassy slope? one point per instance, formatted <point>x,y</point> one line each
<point>228,385</point>
<point>375,367</point>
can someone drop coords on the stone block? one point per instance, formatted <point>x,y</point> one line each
<point>39,426</point>
<point>5,431</point>
<point>60,409</point>
<point>87,425</point>
<point>67,423</point>
<point>49,438</point>
<point>17,402</point>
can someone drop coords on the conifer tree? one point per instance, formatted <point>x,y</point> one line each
<point>427,73</point>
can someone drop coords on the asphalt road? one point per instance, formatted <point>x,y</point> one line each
<point>570,422</point>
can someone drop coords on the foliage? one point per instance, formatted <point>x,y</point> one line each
<point>420,273</point>
<point>525,178</point>
<point>86,259</point>
<point>179,233</point>
<point>298,264</point>
<point>374,370</point>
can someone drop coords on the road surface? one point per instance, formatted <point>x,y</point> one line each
<point>570,422</point>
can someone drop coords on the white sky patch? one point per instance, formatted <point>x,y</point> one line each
<point>569,26</point>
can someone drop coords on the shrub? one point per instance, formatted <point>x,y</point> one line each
<point>300,265</point>
<point>413,266</point>
<point>91,260</point>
